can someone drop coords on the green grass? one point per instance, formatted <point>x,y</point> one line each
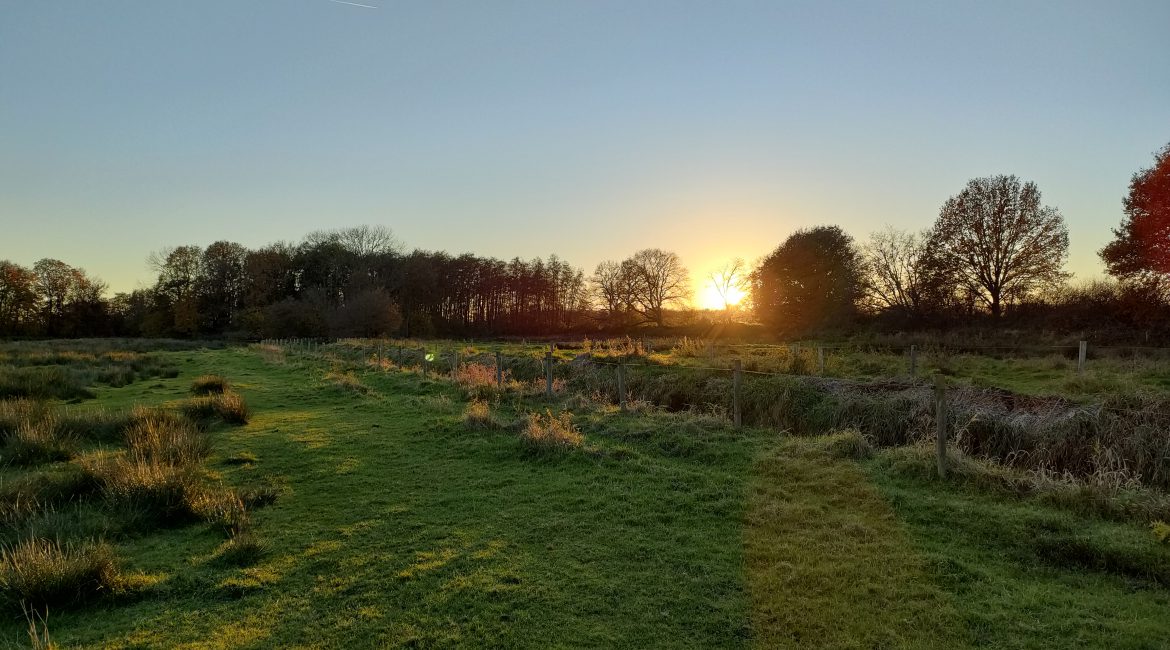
<point>393,523</point>
<point>1025,576</point>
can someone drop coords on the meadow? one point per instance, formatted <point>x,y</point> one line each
<point>357,494</point>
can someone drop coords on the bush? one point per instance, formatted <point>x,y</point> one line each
<point>45,573</point>
<point>209,385</point>
<point>551,432</point>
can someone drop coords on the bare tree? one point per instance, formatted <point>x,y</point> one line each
<point>362,241</point>
<point>999,242</point>
<point>660,280</point>
<point>898,273</point>
<point>731,282</point>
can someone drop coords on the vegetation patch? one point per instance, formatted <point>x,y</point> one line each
<point>550,432</point>
<point>46,573</point>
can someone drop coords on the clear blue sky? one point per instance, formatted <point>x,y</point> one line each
<point>588,129</point>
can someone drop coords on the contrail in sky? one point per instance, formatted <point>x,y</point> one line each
<point>343,2</point>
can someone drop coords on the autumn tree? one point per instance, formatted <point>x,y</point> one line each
<point>810,281</point>
<point>999,242</point>
<point>1140,249</point>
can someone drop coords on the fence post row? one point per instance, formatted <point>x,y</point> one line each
<point>737,385</point>
<point>940,416</point>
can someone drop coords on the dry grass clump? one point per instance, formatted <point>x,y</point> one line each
<point>848,444</point>
<point>478,415</point>
<point>38,441</point>
<point>347,381</point>
<point>166,437</point>
<point>42,573</point>
<point>551,432</point>
<point>31,492</point>
<point>209,385</point>
<point>478,379</point>
<point>229,407</point>
<point>1161,531</point>
<point>148,489</point>
<point>219,507</point>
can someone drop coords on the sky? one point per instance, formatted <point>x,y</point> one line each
<point>588,129</point>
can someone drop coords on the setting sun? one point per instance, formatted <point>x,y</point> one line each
<point>709,297</point>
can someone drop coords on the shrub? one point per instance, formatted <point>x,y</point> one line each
<point>551,432</point>
<point>45,573</point>
<point>478,415</point>
<point>209,385</point>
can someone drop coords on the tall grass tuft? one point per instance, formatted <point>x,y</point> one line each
<point>478,415</point>
<point>43,573</point>
<point>165,437</point>
<point>38,441</point>
<point>209,385</point>
<point>242,549</point>
<point>551,432</point>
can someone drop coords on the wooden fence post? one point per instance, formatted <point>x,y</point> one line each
<point>913,361</point>
<point>1081,357</point>
<point>820,360</point>
<point>548,363</point>
<point>499,372</point>
<point>736,386</point>
<point>455,364</point>
<point>940,416</point>
<point>622,385</point>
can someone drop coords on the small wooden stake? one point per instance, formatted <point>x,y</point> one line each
<point>548,363</point>
<point>913,361</point>
<point>499,371</point>
<point>1081,357</point>
<point>622,385</point>
<point>820,360</point>
<point>940,416</point>
<point>737,385</point>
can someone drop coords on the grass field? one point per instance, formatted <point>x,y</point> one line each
<point>402,521</point>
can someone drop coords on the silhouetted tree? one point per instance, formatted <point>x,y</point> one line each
<point>1140,249</point>
<point>998,242</point>
<point>812,280</point>
<point>659,280</point>
<point>368,314</point>
<point>901,275</point>
<point>18,298</point>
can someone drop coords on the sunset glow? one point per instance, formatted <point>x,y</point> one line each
<point>709,297</point>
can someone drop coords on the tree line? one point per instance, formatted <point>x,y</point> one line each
<point>994,252</point>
